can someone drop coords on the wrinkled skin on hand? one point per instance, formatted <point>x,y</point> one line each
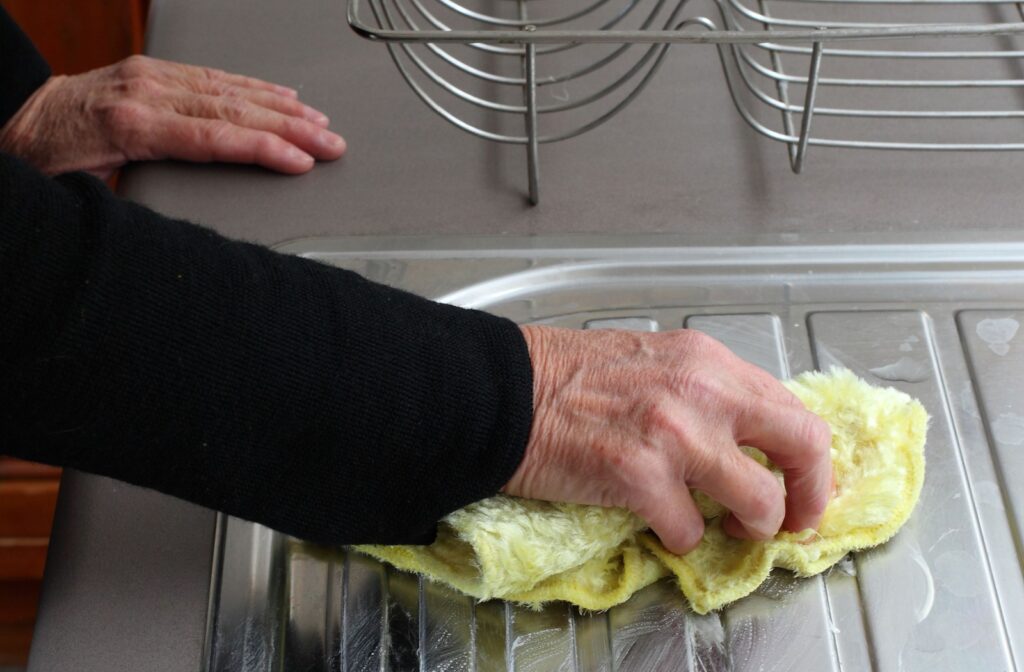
<point>143,109</point>
<point>636,419</point>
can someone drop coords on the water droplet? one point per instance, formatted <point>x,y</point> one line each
<point>1008,428</point>
<point>987,493</point>
<point>997,333</point>
<point>967,402</point>
<point>908,344</point>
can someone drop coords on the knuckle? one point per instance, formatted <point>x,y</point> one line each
<point>266,143</point>
<point>755,412</point>
<point>210,73</point>
<point>211,135</point>
<point>765,385</point>
<point>290,106</point>
<point>695,335</point>
<point>758,407</point>
<point>819,501</point>
<point>815,434</point>
<point>698,341</point>
<point>703,464</point>
<point>285,128</point>
<point>764,499</point>
<point>231,109</point>
<point>697,383</point>
<point>138,86</point>
<point>133,66</point>
<point>203,86</point>
<point>709,393</point>
<point>294,127</point>
<point>124,116</point>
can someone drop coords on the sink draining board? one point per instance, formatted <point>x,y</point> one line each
<point>938,322</point>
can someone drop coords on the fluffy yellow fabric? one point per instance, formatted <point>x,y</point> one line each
<point>533,552</point>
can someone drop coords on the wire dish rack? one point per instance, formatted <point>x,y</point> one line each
<point>927,75</point>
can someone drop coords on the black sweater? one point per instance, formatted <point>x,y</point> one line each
<point>269,387</point>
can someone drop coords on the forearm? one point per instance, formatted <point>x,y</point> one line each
<point>267,386</point>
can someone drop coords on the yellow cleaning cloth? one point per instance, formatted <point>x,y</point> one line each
<point>532,552</point>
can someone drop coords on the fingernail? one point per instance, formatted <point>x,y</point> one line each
<point>737,528</point>
<point>761,534</point>
<point>314,115</point>
<point>331,142</point>
<point>300,157</point>
<point>733,528</point>
<point>288,91</point>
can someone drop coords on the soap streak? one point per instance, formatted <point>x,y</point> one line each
<point>929,596</point>
<point>905,370</point>
<point>942,536</point>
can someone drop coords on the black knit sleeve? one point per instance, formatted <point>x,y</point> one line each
<point>22,69</point>
<point>270,387</point>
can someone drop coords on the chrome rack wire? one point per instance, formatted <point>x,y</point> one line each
<point>484,65</point>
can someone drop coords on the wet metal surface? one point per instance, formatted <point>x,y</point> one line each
<point>946,594</point>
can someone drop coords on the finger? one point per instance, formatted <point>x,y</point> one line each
<point>748,490</point>
<point>308,137</point>
<point>284,105</point>
<point>202,140</point>
<point>251,82</point>
<point>674,517</point>
<point>743,374</point>
<point>268,99</point>
<point>734,528</point>
<point>195,72</point>
<point>799,443</point>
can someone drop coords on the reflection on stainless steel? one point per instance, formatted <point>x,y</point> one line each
<point>755,338</point>
<point>998,375</point>
<point>656,631</point>
<point>448,635</point>
<point>906,576</point>
<point>946,594</point>
<point>541,640</point>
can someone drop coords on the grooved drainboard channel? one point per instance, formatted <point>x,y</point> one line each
<point>946,594</point>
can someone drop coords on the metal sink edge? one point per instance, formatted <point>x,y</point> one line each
<point>946,592</point>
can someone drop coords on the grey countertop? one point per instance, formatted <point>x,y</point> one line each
<point>678,160</point>
<point>128,570</point>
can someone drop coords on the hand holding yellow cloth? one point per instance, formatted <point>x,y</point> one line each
<point>532,552</point>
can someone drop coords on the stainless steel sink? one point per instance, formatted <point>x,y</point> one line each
<point>939,322</point>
